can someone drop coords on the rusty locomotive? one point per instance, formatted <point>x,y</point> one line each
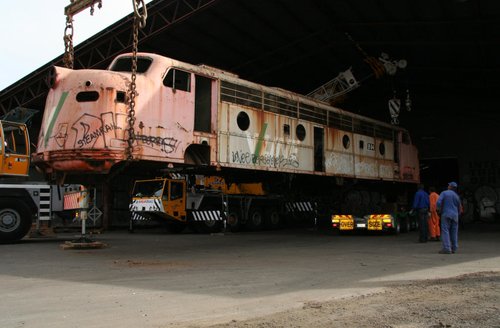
<point>203,119</point>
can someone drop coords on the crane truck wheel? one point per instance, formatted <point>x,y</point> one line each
<point>397,228</point>
<point>405,224</point>
<point>272,218</point>
<point>234,220</point>
<point>175,227</point>
<point>208,226</point>
<point>255,220</point>
<point>15,220</point>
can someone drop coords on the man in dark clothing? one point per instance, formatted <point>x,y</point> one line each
<point>421,206</point>
<point>451,207</point>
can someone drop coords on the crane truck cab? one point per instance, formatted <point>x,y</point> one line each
<point>160,197</point>
<point>22,202</point>
<point>14,149</point>
<point>209,204</point>
<point>19,201</point>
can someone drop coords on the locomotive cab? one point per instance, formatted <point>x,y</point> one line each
<point>406,158</point>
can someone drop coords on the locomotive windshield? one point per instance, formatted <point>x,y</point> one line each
<point>124,64</point>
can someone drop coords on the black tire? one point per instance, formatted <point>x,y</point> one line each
<point>15,220</point>
<point>397,229</point>
<point>255,220</point>
<point>208,226</point>
<point>234,220</point>
<point>272,218</point>
<point>175,227</point>
<point>405,225</point>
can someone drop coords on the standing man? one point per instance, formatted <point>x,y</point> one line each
<point>450,207</point>
<point>434,231</point>
<point>421,206</point>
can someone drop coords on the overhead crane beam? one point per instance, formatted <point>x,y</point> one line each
<point>77,6</point>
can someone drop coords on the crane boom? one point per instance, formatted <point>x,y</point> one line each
<point>346,82</point>
<point>340,85</point>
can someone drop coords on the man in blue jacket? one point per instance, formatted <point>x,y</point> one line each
<point>450,208</point>
<point>421,206</point>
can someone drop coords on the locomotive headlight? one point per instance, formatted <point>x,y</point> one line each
<point>55,75</point>
<point>52,77</point>
<point>88,83</point>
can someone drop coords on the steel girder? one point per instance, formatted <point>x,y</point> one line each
<point>100,50</point>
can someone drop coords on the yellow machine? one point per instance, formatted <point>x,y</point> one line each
<point>161,197</point>
<point>209,203</point>
<point>22,202</point>
<point>14,149</point>
<point>218,183</point>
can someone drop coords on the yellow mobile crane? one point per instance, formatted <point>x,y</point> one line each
<point>211,204</point>
<point>21,201</point>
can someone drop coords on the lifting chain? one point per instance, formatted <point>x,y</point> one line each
<point>140,17</point>
<point>68,43</point>
<point>74,8</point>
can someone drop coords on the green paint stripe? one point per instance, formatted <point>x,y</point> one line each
<point>259,143</point>
<point>54,117</point>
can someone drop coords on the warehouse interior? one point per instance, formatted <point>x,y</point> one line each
<point>447,89</point>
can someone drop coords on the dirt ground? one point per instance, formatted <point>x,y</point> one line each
<point>471,300</point>
<point>283,278</point>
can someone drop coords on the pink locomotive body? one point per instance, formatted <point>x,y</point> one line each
<point>188,115</point>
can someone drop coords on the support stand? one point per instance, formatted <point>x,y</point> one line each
<point>84,242</point>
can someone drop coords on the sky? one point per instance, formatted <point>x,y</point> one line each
<point>32,31</point>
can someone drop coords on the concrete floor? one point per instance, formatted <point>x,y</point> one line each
<point>152,279</point>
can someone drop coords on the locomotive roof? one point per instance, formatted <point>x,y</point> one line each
<point>160,63</point>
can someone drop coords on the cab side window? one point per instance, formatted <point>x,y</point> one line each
<point>178,80</point>
<point>14,140</point>
<point>175,190</point>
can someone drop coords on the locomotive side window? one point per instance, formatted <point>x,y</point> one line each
<point>300,131</point>
<point>346,141</point>
<point>124,64</point>
<point>381,149</point>
<point>243,121</point>
<point>286,129</point>
<point>121,97</point>
<point>178,80</point>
